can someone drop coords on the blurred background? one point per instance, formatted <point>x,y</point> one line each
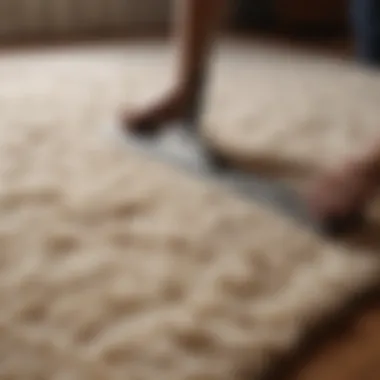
<point>42,20</point>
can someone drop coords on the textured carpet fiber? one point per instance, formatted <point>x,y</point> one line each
<point>113,265</point>
<point>291,110</point>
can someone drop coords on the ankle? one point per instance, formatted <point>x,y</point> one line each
<point>183,92</point>
<point>366,168</point>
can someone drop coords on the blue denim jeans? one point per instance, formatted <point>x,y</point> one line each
<point>365,23</point>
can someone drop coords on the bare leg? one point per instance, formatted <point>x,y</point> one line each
<point>349,188</point>
<point>196,22</point>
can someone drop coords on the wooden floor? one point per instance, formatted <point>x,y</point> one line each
<point>346,346</point>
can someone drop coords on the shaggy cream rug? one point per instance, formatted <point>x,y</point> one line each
<point>114,266</point>
<point>290,111</point>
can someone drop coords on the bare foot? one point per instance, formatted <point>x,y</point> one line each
<point>167,109</point>
<point>343,193</point>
